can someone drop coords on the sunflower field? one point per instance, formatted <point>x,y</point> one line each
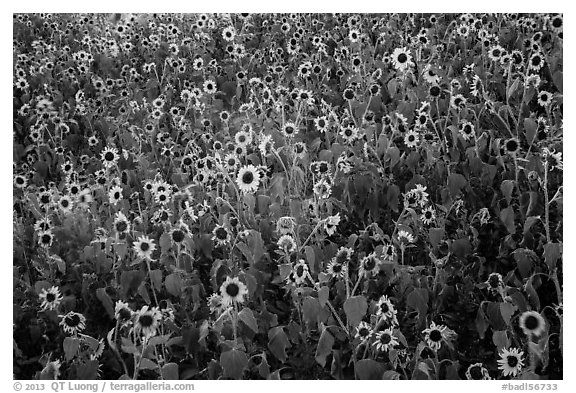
<point>287,196</point>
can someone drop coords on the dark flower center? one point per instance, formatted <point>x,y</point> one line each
<point>248,177</point>
<point>384,308</point>
<point>402,58</point>
<point>50,297</point>
<point>494,281</point>
<point>511,146</point>
<point>46,238</point>
<point>125,314</point>
<point>385,338</point>
<point>146,320</point>
<point>177,236</point>
<point>144,246</point>
<point>434,91</point>
<point>289,130</point>
<point>531,322</point>
<point>435,335</point>
<point>512,361</point>
<point>476,373</point>
<point>369,264</point>
<point>337,268</point>
<point>45,199</point>
<point>363,332</point>
<point>232,289</point>
<point>109,156</point>
<point>221,233</point>
<point>72,320</point>
<point>300,271</point>
<point>121,226</point>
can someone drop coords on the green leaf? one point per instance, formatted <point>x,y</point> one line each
<point>278,342</point>
<point>247,316</point>
<point>552,253</point>
<point>418,300</point>
<point>481,322</point>
<point>507,187</point>
<point>147,364</point>
<point>436,236</point>
<point>507,217</point>
<point>173,284</point>
<point>512,89</point>
<point>369,369</point>
<point>310,310</point>
<point>558,79</point>
<point>71,346</point>
<point>106,301</point>
<point>234,363</point>
<point>525,260</point>
<point>507,310</point>
<point>156,279</point>
<point>324,347</point>
<point>323,295</point>
<point>170,371</point>
<point>530,128</point>
<point>355,308</point>
<point>500,339</point>
<point>310,258</point>
<point>456,182</point>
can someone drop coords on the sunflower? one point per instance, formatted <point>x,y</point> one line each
<point>466,129</point>
<point>300,272</point>
<point>495,283</point>
<point>233,291</point>
<point>510,361</point>
<point>285,225</point>
<point>536,62</point>
<point>65,204</point>
<point>544,98</point>
<point>477,371</point>
<point>436,334</point>
<point>363,331</point>
<point>122,312</point>
<point>20,181</point>
<point>121,223</point>
<point>146,321</point>
<point>331,223</point>
<point>336,269</point>
<point>228,33</point>
<point>401,59</point>
<point>475,85</point>
<point>244,137</point>
<point>115,195</point>
<point>369,266</point>
<point>209,86</point>
<point>512,146</point>
<point>495,53</point>
<point>221,235</point>
<point>144,247</point>
<point>177,235</point>
<point>109,156</point>
<point>428,215</point>
<point>349,134</point>
<point>532,323</point>
<point>385,340</point>
<point>557,23</point>
<point>458,101</point>
<point>300,150</point>
<point>405,237</point>
<point>286,243</point>
<point>45,238</point>
<point>73,323</point>
<point>50,298</point>
<point>430,76</point>
<point>290,129</point>
<point>385,310</point>
<point>322,189</point>
<point>411,139</point>
<point>248,179</point>
<point>84,198</point>
<point>321,123</point>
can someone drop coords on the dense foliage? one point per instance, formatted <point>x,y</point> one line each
<point>303,196</point>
